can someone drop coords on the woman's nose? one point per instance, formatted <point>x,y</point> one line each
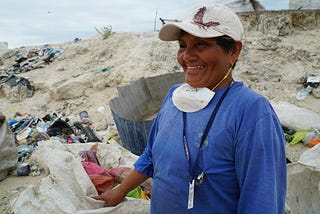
<point>189,54</point>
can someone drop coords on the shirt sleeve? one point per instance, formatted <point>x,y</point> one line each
<point>260,164</point>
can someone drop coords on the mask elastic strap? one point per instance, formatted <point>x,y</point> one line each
<point>225,77</point>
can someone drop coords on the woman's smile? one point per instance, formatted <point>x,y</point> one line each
<point>194,69</point>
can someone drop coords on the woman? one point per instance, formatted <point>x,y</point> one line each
<point>216,146</point>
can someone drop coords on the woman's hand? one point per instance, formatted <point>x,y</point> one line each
<point>116,196</point>
<point>111,197</point>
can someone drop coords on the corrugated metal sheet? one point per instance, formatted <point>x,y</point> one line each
<point>136,102</point>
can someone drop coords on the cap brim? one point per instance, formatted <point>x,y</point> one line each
<point>171,31</point>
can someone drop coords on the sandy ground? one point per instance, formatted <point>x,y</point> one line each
<point>275,55</point>
<point>11,187</point>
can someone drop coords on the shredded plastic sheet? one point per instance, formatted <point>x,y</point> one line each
<point>67,188</point>
<point>311,157</point>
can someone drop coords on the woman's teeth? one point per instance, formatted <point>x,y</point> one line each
<point>196,67</point>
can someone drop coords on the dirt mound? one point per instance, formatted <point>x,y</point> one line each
<point>279,48</point>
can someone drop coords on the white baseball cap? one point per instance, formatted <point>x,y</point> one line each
<point>205,21</point>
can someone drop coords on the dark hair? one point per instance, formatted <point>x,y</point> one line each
<point>227,43</point>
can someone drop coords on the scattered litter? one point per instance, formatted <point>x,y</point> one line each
<point>101,109</point>
<point>24,134</point>
<point>29,130</point>
<point>297,137</point>
<point>23,169</point>
<point>76,39</point>
<point>299,124</point>
<point>12,80</point>
<point>310,82</point>
<point>302,94</point>
<point>27,60</point>
<point>312,134</point>
<point>101,70</point>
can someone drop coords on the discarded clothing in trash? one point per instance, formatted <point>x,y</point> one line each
<point>60,127</point>
<point>104,180</point>
<point>100,177</point>
<point>89,156</point>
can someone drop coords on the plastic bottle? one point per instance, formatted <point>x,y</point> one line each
<point>311,135</point>
<point>302,94</point>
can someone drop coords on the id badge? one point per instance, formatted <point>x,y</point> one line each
<point>191,195</point>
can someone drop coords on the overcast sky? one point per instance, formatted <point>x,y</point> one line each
<point>36,22</point>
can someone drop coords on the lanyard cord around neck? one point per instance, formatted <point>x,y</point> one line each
<point>205,133</point>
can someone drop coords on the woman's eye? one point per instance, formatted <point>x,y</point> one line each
<point>201,43</point>
<point>182,45</point>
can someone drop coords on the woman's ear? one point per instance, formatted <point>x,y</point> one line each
<point>236,52</point>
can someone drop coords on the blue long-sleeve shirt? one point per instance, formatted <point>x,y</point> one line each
<point>243,157</point>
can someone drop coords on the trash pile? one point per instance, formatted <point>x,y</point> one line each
<point>52,143</point>
<point>310,84</point>
<point>27,60</point>
<point>299,124</point>
<point>29,130</point>
<point>309,138</point>
<point>9,79</point>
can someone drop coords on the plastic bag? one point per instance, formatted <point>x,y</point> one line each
<point>8,149</point>
<point>297,118</point>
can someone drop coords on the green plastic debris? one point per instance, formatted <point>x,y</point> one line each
<point>297,137</point>
<point>135,193</point>
<point>288,137</point>
<point>101,70</point>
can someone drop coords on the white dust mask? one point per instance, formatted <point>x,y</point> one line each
<point>189,99</point>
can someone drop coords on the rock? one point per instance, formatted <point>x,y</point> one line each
<point>70,90</point>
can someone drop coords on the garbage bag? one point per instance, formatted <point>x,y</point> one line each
<point>67,188</point>
<point>311,157</point>
<point>297,118</point>
<point>8,149</point>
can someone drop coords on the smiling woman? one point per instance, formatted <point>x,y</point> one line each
<point>215,142</point>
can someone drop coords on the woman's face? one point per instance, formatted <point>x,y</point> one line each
<point>205,62</point>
